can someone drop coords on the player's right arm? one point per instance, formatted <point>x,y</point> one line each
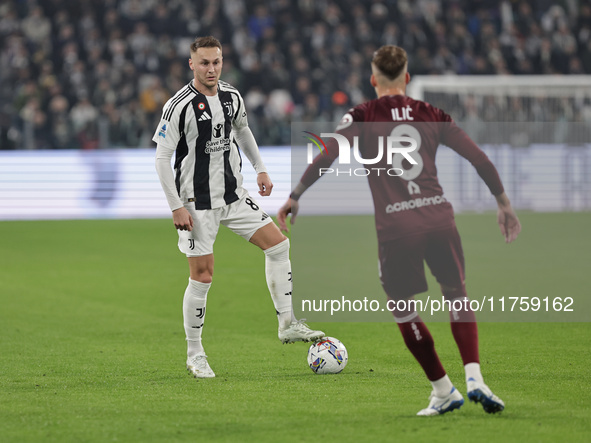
<point>166,137</point>
<point>321,161</point>
<point>347,128</point>
<point>312,173</point>
<point>180,216</point>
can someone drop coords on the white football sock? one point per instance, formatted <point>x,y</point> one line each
<point>194,314</point>
<point>278,273</point>
<point>473,371</point>
<point>443,386</point>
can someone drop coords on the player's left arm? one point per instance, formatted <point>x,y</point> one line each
<point>265,184</point>
<point>459,141</point>
<point>249,146</point>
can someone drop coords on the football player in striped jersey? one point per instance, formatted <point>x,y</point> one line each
<point>205,125</point>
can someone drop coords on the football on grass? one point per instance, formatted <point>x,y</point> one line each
<point>327,356</point>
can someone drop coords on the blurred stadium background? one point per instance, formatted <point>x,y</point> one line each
<point>92,342</point>
<point>82,86</point>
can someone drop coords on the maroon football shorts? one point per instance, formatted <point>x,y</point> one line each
<point>402,271</point>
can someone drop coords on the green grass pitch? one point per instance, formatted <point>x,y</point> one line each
<point>92,346</point>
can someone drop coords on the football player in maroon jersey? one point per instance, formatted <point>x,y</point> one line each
<point>414,222</point>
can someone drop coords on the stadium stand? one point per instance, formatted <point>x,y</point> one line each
<point>95,73</point>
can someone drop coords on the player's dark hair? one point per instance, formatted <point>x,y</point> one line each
<point>390,60</point>
<point>205,42</point>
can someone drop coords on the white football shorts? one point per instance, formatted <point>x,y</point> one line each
<point>244,217</point>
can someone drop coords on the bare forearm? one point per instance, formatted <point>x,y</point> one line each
<point>502,200</point>
<point>298,191</point>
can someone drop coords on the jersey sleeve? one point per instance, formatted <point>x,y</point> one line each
<point>167,133</point>
<point>166,176</point>
<point>455,137</point>
<point>240,119</point>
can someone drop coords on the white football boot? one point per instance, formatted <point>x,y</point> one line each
<point>199,367</point>
<point>441,405</point>
<point>299,331</point>
<point>480,393</point>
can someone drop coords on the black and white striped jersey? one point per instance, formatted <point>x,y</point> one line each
<point>200,129</point>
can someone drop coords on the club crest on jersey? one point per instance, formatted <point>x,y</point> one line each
<point>229,108</point>
<point>162,132</point>
<point>201,106</point>
<point>346,121</point>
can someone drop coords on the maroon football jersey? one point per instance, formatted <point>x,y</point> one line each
<point>407,197</point>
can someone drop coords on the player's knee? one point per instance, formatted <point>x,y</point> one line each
<point>202,273</point>
<point>404,311</point>
<point>202,277</point>
<point>279,252</point>
<point>453,292</point>
<point>267,237</point>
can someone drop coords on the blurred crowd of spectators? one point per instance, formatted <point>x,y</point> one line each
<point>95,73</point>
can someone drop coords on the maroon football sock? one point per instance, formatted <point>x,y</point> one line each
<point>465,332</point>
<point>420,343</point>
